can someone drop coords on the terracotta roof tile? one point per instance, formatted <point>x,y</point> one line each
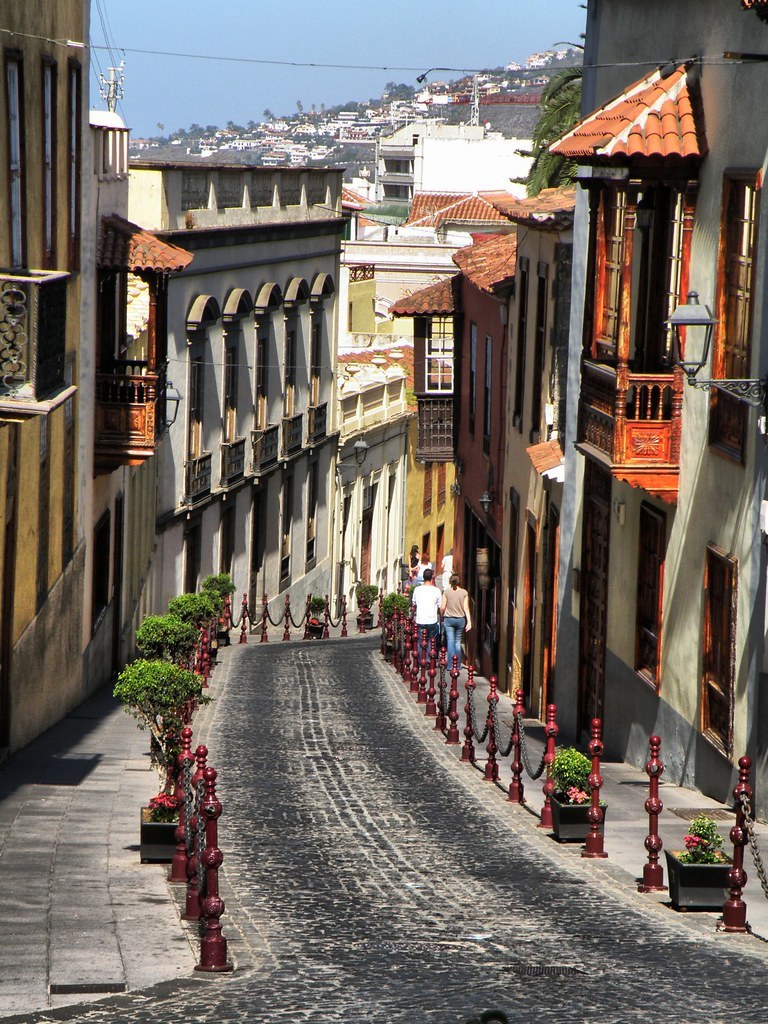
<point>126,246</point>
<point>551,208</point>
<point>352,200</point>
<point>430,209</point>
<point>489,262</point>
<point>546,456</point>
<point>655,119</point>
<point>436,299</point>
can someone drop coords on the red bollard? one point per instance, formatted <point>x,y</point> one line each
<point>306,617</point>
<point>414,688</point>
<point>468,750</point>
<point>344,616</point>
<point>213,945</point>
<point>361,613</point>
<point>653,872</point>
<point>423,655</point>
<point>206,656</point>
<point>264,636</point>
<point>440,719</point>
<point>491,773</point>
<point>287,619</point>
<point>178,872</point>
<point>327,618</point>
<point>430,711</point>
<point>550,731</point>
<point>381,599</point>
<point>192,906</point>
<point>734,917</point>
<point>228,613</point>
<point>516,788</point>
<point>452,736</point>
<point>594,844</point>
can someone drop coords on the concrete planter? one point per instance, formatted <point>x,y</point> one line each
<point>696,886</point>
<point>157,839</point>
<point>570,822</point>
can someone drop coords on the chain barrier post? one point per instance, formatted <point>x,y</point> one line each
<point>440,719</point>
<point>326,617</point>
<point>192,904</point>
<point>414,688</point>
<point>178,872</point>
<point>421,697</point>
<point>389,641</point>
<point>653,872</point>
<point>264,639</point>
<point>734,917</point>
<point>516,793</point>
<point>430,711</point>
<point>594,844</point>
<point>213,945</point>
<point>550,731</point>
<point>228,613</point>
<point>468,749</point>
<point>206,645</point>
<point>306,617</point>
<point>452,736</point>
<point>491,772</point>
<point>344,615</point>
<point>287,619</point>
<point>381,600</point>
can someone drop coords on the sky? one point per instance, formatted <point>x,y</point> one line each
<point>403,36</point>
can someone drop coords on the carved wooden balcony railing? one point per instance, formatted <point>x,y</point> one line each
<point>126,410</point>
<point>197,478</point>
<point>317,422</point>
<point>435,440</point>
<point>293,427</point>
<point>266,446</point>
<point>631,421</point>
<point>232,461</point>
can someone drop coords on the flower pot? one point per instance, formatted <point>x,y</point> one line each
<point>315,630</point>
<point>367,618</point>
<point>157,839</point>
<point>696,886</point>
<point>570,822</point>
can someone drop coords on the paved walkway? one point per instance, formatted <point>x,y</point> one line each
<point>369,875</point>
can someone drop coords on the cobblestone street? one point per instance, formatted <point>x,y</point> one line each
<point>371,877</point>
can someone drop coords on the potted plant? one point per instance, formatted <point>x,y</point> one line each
<point>393,603</point>
<point>572,794</point>
<point>197,609</point>
<point>698,875</point>
<point>316,623</point>
<point>220,584</point>
<point>366,595</point>
<point>161,697</point>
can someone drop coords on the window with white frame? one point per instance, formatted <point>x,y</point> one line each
<point>439,354</point>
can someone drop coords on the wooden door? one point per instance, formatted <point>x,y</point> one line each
<point>365,545</point>
<point>529,608</point>
<point>595,549</point>
<point>550,607</point>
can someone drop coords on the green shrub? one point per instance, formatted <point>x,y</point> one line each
<point>166,637</point>
<point>703,842</point>
<point>317,606</point>
<point>196,609</point>
<point>569,773</point>
<point>158,695</point>
<point>220,584</point>
<point>393,603</point>
<point>366,594</point>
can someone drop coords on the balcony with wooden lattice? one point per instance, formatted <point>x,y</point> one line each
<point>631,422</point>
<point>126,414</point>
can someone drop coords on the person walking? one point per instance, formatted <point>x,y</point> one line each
<point>426,600</point>
<point>424,564</point>
<point>446,570</point>
<point>457,620</point>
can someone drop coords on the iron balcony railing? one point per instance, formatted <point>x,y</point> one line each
<point>197,483</point>
<point>317,422</point>
<point>292,434</point>
<point>232,460</point>
<point>265,446</point>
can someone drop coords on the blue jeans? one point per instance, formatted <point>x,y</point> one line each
<point>454,627</point>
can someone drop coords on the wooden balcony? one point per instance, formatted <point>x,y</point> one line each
<point>197,478</point>
<point>265,446</point>
<point>435,441</point>
<point>317,423</point>
<point>126,410</point>
<point>293,429</point>
<point>631,422</point>
<point>232,461</point>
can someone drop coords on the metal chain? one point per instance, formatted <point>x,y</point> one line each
<point>200,837</point>
<point>502,751</point>
<point>188,806</point>
<point>300,623</point>
<point>753,849</point>
<point>277,623</point>
<point>524,751</point>
<point>473,716</point>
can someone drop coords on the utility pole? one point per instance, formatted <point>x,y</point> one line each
<point>474,114</point>
<point>111,88</point>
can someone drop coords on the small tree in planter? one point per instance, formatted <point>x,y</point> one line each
<point>366,595</point>
<point>222,586</point>
<point>698,875</point>
<point>316,616</point>
<point>702,842</point>
<point>197,609</point>
<point>160,696</point>
<point>393,603</point>
<point>166,638</point>
<point>570,774</point>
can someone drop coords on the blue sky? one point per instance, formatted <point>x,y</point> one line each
<point>414,34</point>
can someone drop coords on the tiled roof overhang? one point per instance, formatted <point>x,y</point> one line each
<point>552,208</point>
<point>489,263</point>
<point>656,120</point>
<point>126,246</point>
<point>434,300</point>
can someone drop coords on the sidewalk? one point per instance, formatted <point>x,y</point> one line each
<point>624,790</point>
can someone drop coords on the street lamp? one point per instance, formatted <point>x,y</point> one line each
<point>694,314</point>
<point>173,400</point>
<point>486,501</point>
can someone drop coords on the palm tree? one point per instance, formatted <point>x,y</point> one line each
<point>561,108</point>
